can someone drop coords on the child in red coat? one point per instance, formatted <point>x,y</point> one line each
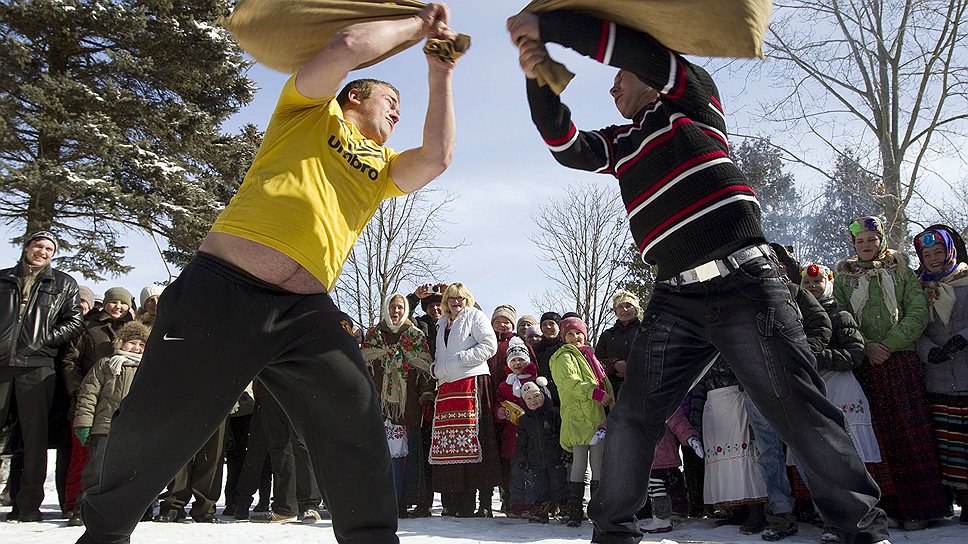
<point>509,406</point>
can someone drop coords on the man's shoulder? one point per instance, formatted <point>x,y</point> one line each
<point>63,277</point>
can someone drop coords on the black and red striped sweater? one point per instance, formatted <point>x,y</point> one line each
<point>687,202</point>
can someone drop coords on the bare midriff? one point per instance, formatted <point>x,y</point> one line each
<point>268,264</point>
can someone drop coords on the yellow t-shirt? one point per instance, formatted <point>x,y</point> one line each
<point>314,184</point>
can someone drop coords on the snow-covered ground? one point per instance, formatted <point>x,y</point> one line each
<point>433,530</point>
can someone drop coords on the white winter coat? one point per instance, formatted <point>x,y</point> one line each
<point>470,344</point>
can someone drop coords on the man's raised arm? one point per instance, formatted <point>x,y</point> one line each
<point>359,43</point>
<point>417,167</point>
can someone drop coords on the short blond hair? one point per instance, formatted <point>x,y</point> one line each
<point>455,290</point>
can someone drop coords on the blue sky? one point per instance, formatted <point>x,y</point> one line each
<point>501,173</point>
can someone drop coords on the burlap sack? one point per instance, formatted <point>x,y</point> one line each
<point>709,28</point>
<point>285,34</point>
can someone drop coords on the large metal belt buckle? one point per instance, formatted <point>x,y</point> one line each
<point>704,272</point>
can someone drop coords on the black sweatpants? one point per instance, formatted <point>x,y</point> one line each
<point>217,328</point>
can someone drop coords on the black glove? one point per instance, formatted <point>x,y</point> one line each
<point>936,356</point>
<point>955,344</point>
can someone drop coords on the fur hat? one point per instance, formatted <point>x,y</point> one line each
<point>534,388</point>
<point>517,350</point>
<point>552,316</point>
<point>152,290</point>
<point>432,298</point>
<point>118,293</point>
<point>622,296</point>
<point>569,324</point>
<point>506,311</point>
<point>45,234</point>
<point>86,294</point>
<point>132,330</point>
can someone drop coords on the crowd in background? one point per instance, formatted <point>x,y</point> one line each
<point>518,404</point>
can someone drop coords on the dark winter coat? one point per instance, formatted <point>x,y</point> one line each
<point>94,344</point>
<point>545,350</point>
<point>51,319</point>
<point>538,437</point>
<point>816,322</point>
<point>614,345</point>
<point>845,351</point>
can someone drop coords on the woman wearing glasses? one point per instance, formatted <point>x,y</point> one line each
<point>463,447</point>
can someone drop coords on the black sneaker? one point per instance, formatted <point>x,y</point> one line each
<point>30,517</point>
<point>206,518</point>
<point>75,520</point>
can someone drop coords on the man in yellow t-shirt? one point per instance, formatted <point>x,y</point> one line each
<point>255,300</point>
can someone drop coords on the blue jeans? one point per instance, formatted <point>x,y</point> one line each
<point>748,317</point>
<point>771,462</point>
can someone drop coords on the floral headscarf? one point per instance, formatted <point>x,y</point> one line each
<point>814,270</point>
<point>930,238</point>
<point>869,223</point>
<point>939,287</point>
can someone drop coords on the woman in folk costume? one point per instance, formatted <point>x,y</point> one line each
<point>883,294</point>
<point>463,448</point>
<point>399,359</point>
<point>943,348</point>
<point>836,363</point>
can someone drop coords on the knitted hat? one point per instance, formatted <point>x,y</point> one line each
<point>527,319</point>
<point>132,330</point>
<point>533,330</point>
<point>506,311</point>
<point>45,234</point>
<point>152,290</point>
<point>553,316</point>
<point>517,350</point>
<point>570,314</point>
<point>86,294</point>
<point>569,324</point>
<point>622,296</point>
<point>534,388</point>
<point>118,293</point>
<point>433,298</point>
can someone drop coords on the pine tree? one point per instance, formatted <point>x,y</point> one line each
<point>780,202</point>
<point>111,113</point>
<point>641,276</point>
<point>851,192</point>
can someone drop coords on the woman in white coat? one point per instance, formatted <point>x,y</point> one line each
<point>463,447</point>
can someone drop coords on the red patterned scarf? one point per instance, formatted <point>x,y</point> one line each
<point>454,439</point>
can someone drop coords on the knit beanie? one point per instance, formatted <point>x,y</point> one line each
<point>86,294</point>
<point>132,330</point>
<point>45,234</point>
<point>553,316</point>
<point>150,291</point>
<point>622,296</point>
<point>533,330</point>
<point>570,314</point>
<point>534,388</point>
<point>517,350</point>
<point>527,320</point>
<point>118,293</point>
<point>506,311</point>
<point>569,324</point>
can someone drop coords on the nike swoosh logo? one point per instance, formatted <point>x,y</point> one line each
<point>166,337</point>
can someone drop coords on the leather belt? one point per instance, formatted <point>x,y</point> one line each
<point>719,268</point>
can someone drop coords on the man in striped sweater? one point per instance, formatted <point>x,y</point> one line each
<point>692,213</point>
